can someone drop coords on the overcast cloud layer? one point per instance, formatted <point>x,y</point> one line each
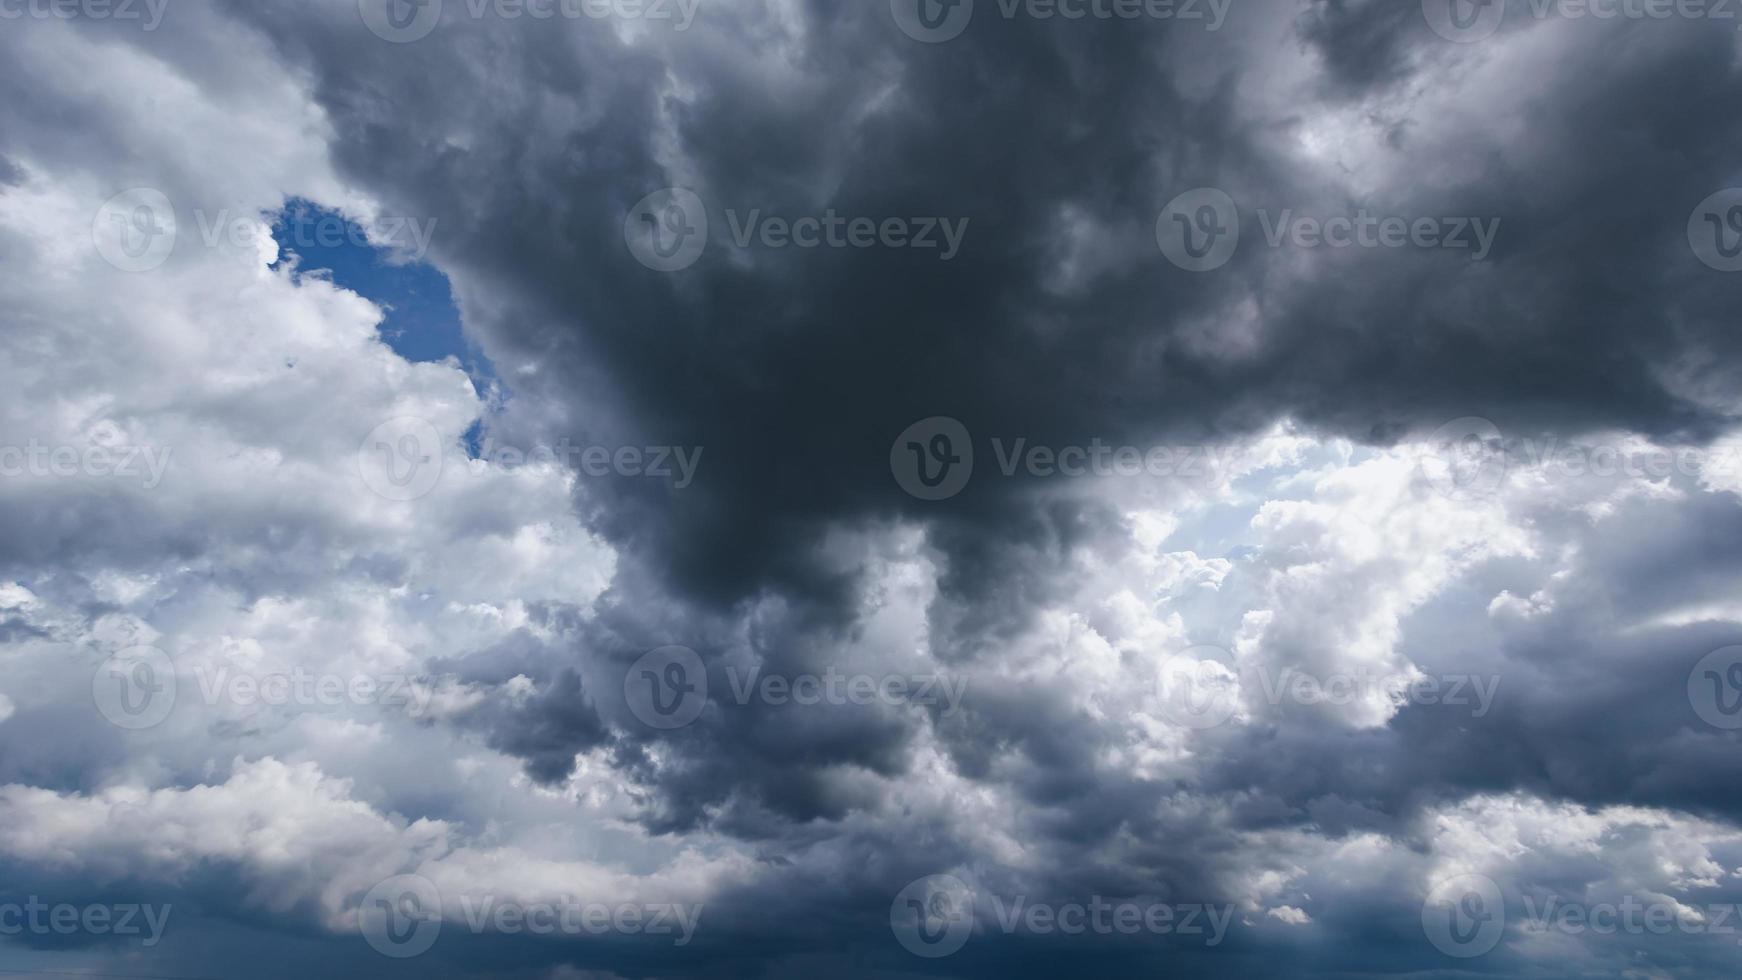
<point>1200,489</point>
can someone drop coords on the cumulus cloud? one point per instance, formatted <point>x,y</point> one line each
<point>1429,582</point>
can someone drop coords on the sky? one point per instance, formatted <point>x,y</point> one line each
<point>591,489</point>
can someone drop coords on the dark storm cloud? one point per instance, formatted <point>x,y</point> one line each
<point>797,368</point>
